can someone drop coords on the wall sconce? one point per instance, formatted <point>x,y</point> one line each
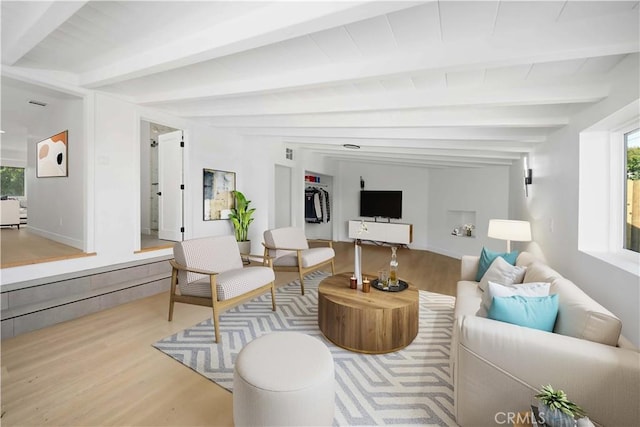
<point>528,176</point>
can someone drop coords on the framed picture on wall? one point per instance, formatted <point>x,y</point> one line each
<point>51,155</point>
<point>218,198</point>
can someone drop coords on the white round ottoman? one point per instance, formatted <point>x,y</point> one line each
<point>284,379</point>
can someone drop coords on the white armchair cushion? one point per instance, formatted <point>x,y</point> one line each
<point>310,257</point>
<point>315,256</point>
<point>286,237</point>
<point>230,283</point>
<point>237,282</point>
<point>217,254</point>
<point>290,259</point>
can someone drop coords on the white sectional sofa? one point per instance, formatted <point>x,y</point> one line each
<point>497,367</point>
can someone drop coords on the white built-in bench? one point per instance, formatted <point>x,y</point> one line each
<point>38,303</point>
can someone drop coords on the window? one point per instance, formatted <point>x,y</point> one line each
<point>608,157</point>
<point>12,181</point>
<point>632,202</point>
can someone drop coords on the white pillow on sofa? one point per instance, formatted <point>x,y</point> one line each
<point>500,271</point>
<point>536,289</point>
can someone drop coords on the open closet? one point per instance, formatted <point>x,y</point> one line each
<point>318,205</point>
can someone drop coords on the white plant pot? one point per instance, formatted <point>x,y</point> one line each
<point>245,247</point>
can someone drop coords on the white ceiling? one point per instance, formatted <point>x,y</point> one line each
<point>435,84</point>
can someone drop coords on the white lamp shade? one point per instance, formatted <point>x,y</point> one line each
<point>506,229</point>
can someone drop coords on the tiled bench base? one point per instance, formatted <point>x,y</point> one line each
<point>62,298</point>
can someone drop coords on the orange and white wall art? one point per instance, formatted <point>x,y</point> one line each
<point>52,156</point>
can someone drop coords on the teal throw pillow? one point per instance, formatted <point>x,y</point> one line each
<point>487,257</point>
<point>532,312</point>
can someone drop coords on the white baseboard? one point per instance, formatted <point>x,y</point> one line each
<point>444,252</point>
<point>57,238</point>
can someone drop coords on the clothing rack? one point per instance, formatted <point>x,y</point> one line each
<point>315,184</point>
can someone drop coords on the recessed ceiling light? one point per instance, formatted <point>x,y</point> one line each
<point>351,146</point>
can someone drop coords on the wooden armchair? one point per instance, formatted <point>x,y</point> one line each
<point>290,251</point>
<point>209,271</point>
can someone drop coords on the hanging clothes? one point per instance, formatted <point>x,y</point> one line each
<point>316,206</point>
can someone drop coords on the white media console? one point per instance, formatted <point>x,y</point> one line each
<point>387,232</point>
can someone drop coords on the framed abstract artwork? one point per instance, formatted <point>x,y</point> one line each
<point>52,156</point>
<point>217,194</point>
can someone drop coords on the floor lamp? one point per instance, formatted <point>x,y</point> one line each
<point>506,229</point>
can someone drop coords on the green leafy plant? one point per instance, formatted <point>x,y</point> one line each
<point>558,400</point>
<point>241,216</point>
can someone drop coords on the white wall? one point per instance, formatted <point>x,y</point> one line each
<point>56,205</point>
<point>116,168</point>
<point>252,162</point>
<point>483,191</point>
<point>282,199</point>
<point>413,182</point>
<point>13,147</point>
<point>552,206</point>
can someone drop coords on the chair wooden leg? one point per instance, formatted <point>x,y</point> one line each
<point>301,282</point>
<point>273,296</point>
<point>214,299</point>
<point>216,324</point>
<point>174,280</point>
<point>333,268</point>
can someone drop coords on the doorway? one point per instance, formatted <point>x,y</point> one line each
<point>152,135</point>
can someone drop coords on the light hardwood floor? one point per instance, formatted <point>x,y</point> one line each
<point>101,369</point>
<point>22,247</point>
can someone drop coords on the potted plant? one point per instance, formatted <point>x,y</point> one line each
<point>241,217</point>
<point>557,409</point>
<point>468,228</point>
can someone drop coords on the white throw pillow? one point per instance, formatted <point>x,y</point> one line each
<point>500,271</point>
<point>536,289</point>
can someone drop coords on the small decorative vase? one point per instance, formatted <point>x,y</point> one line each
<point>393,268</point>
<point>555,417</point>
<point>469,233</point>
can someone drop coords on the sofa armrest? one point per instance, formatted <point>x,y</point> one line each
<point>604,380</point>
<point>469,267</point>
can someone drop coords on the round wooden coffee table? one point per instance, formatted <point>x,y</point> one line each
<point>373,322</point>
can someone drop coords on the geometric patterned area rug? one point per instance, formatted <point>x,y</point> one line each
<point>407,387</point>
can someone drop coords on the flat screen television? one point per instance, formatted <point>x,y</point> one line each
<point>384,204</point>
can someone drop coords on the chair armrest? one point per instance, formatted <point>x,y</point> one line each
<point>282,249</point>
<point>265,258</point>
<point>177,266</point>
<point>329,242</point>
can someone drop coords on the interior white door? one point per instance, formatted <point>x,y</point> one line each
<point>170,192</point>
